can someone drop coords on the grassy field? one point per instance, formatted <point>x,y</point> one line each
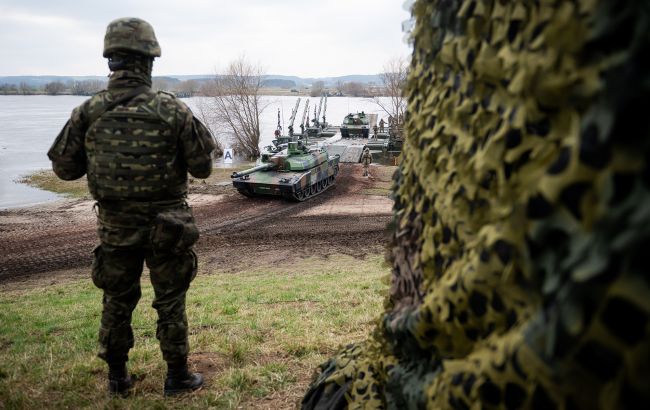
<point>79,188</point>
<point>48,181</point>
<point>257,336</point>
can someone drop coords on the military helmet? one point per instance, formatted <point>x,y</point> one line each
<point>131,34</point>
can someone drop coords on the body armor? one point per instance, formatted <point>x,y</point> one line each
<point>133,154</point>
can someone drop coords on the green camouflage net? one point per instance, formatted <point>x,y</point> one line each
<point>522,208</point>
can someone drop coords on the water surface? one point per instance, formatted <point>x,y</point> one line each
<point>29,124</point>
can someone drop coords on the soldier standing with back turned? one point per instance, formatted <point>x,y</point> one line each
<point>137,146</point>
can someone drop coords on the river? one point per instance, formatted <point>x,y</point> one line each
<point>29,124</point>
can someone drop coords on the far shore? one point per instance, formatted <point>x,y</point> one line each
<point>263,91</point>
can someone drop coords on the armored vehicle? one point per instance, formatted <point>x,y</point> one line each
<point>320,129</point>
<point>390,141</point>
<point>355,125</point>
<point>295,173</point>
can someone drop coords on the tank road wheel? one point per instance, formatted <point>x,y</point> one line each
<point>326,182</point>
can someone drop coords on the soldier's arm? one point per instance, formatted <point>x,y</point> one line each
<point>67,153</point>
<point>198,145</point>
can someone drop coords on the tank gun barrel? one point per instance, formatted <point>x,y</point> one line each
<point>245,172</point>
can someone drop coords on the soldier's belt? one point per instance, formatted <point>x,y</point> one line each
<point>130,214</point>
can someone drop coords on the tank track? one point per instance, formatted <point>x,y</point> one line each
<point>315,189</point>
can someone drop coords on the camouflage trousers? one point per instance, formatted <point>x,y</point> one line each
<point>117,271</point>
<point>365,170</point>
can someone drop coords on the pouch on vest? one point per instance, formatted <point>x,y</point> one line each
<point>174,231</point>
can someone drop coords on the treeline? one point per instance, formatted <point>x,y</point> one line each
<point>90,87</point>
<point>85,87</point>
<point>350,89</point>
<point>189,88</point>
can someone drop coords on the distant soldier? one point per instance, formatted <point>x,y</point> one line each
<point>381,125</point>
<point>390,120</point>
<point>375,128</point>
<point>137,146</point>
<point>366,160</point>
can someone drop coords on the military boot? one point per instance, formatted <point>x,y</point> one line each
<point>119,381</point>
<point>180,380</point>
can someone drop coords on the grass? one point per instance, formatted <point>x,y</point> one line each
<point>47,180</point>
<point>257,336</point>
<point>376,191</point>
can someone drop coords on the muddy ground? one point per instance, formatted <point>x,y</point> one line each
<point>54,242</point>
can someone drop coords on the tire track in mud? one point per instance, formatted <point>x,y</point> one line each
<point>237,222</point>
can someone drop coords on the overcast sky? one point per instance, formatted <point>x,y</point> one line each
<point>307,38</point>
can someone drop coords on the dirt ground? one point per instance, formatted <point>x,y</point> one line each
<point>54,242</point>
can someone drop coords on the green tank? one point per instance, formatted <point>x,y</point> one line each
<point>355,125</point>
<point>295,173</point>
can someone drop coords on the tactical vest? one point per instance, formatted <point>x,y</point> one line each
<point>133,154</point>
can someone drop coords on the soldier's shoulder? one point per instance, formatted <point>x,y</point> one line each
<point>166,94</point>
<point>170,100</point>
<point>95,103</point>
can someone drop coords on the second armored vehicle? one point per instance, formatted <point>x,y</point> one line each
<point>295,173</point>
<point>355,125</point>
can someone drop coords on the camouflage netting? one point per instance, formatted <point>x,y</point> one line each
<point>522,216</point>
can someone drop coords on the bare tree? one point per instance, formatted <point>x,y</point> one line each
<point>187,88</point>
<point>317,89</point>
<point>235,105</point>
<point>54,88</point>
<point>202,110</point>
<point>86,87</point>
<point>355,89</point>
<point>394,79</point>
<point>339,87</point>
<point>25,88</point>
<point>162,84</point>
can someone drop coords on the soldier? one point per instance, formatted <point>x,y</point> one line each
<point>137,147</point>
<point>366,159</point>
<point>381,125</point>
<point>374,129</point>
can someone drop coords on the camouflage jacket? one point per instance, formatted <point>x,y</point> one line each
<point>366,158</point>
<point>70,160</point>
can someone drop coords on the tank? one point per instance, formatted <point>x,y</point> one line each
<point>296,173</point>
<point>355,126</point>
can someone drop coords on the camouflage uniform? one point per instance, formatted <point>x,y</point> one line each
<point>137,155</point>
<point>366,160</point>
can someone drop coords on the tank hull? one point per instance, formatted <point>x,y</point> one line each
<point>291,185</point>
